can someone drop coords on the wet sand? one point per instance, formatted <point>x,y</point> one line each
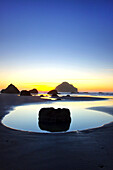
<point>90,149</point>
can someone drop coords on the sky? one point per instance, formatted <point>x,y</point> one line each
<point>46,42</point>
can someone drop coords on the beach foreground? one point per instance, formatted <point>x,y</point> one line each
<point>89,149</point>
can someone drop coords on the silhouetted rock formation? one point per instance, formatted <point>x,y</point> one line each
<point>54,95</point>
<point>53,92</point>
<point>54,115</point>
<point>25,93</point>
<point>66,87</point>
<point>11,89</point>
<point>54,120</point>
<point>33,91</point>
<point>67,95</point>
<point>41,95</point>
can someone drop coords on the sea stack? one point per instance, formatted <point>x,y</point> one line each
<point>66,87</point>
<point>11,89</point>
<point>33,91</point>
<point>25,93</point>
<point>53,92</point>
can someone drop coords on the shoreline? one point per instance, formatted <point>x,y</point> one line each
<point>29,150</point>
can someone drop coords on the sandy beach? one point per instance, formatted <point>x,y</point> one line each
<point>89,149</point>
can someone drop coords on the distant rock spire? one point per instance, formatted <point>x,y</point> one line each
<point>66,87</point>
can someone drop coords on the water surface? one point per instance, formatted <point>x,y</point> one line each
<point>26,117</point>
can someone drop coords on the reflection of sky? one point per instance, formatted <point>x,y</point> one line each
<point>26,117</point>
<point>55,41</point>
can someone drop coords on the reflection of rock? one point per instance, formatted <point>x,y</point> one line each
<point>54,120</point>
<point>33,91</point>
<point>10,89</point>
<point>25,93</point>
<point>54,127</point>
<point>53,92</point>
<point>66,87</point>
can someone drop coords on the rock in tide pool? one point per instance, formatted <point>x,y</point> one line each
<point>54,120</point>
<point>54,115</point>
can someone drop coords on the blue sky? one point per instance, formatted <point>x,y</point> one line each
<point>74,35</point>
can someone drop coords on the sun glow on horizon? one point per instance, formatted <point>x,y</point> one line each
<point>49,78</point>
<point>82,85</point>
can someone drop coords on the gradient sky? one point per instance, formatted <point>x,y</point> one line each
<point>46,42</point>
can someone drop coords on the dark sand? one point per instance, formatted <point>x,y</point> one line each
<point>87,150</point>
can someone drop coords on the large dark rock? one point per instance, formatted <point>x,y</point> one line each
<point>54,120</point>
<point>54,115</point>
<point>54,127</point>
<point>33,91</point>
<point>25,93</point>
<point>11,89</point>
<point>53,92</point>
<point>66,87</point>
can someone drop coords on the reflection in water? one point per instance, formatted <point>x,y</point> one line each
<point>54,127</point>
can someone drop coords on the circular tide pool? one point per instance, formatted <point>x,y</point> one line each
<point>25,117</point>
